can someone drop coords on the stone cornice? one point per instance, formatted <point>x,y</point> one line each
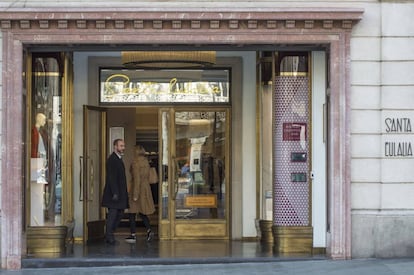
<point>169,19</point>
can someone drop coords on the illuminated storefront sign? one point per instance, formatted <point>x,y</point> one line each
<point>164,86</point>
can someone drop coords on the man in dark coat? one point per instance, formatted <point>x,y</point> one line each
<point>115,195</point>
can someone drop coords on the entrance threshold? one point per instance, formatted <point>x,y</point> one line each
<point>162,253</point>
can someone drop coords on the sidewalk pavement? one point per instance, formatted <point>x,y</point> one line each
<point>292,267</point>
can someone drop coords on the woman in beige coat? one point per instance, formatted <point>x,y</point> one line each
<point>140,196</point>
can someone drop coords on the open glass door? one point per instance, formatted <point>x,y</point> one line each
<point>93,172</point>
<point>194,160</point>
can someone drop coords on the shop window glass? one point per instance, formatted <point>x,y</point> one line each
<point>200,148</point>
<point>294,65</point>
<point>46,143</point>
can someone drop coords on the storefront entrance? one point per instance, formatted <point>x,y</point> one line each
<point>186,146</point>
<point>25,31</point>
<point>192,148</point>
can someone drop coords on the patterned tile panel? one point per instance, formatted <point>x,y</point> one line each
<point>291,133</point>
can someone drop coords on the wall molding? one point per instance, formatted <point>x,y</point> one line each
<point>102,19</point>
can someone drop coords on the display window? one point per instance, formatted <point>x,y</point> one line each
<point>46,142</point>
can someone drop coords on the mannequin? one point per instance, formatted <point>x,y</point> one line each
<point>39,145</point>
<point>39,167</point>
<point>39,137</point>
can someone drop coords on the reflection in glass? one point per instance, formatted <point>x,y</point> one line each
<point>296,65</point>
<point>200,149</point>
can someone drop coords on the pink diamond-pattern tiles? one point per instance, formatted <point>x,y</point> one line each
<point>291,105</point>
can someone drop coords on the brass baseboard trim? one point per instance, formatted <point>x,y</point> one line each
<point>207,230</point>
<point>46,239</point>
<point>78,240</point>
<point>319,251</point>
<point>250,239</point>
<point>292,240</point>
<point>266,231</point>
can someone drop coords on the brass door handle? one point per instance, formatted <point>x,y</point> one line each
<point>91,180</point>
<point>80,178</point>
<point>176,175</point>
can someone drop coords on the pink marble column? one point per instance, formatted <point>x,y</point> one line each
<point>11,162</point>
<point>339,179</point>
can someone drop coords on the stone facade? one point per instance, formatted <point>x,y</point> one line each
<point>381,86</point>
<point>382,79</point>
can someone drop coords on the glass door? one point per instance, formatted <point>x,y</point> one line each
<point>93,172</point>
<point>194,171</point>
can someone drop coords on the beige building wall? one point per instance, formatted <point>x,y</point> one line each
<point>382,53</point>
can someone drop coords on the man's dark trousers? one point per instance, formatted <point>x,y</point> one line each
<point>112,222</point>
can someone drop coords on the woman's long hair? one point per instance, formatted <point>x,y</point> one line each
<point>139,150</point>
